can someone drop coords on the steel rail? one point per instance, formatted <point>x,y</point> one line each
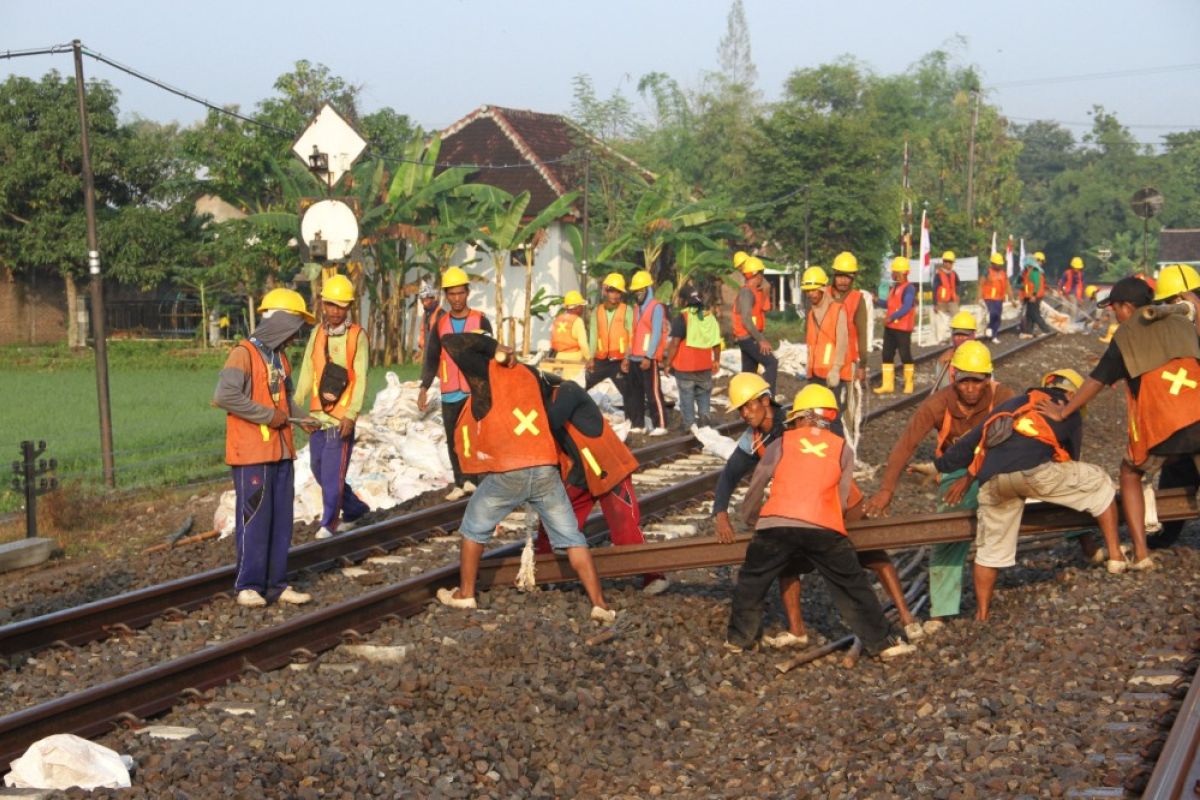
<point>1176,774</point>
<point>97,620</point>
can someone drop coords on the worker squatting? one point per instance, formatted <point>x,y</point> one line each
<point>519,436</point>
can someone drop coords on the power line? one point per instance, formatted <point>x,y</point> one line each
<point>1151,126</point>
<point>36,51</point>
<point>1128,73</point>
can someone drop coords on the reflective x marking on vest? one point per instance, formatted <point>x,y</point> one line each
<point>562,327</point>
<point>1178,380</point>
<point>466,442</point>
<point>591,461</point>
<point>527,421</point>
<point>1027,427</point>
<point>818,450</point>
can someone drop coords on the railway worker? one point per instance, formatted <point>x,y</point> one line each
<point>947,413</point>
<point>1018,454</point>
<point>1033,289</point>
<point>609,336</point>
<point>643,362</point>
<point>750,309</point>
<point>827,335</point>
<point>1071,288</point>
<point>438,363</point>
<point>431,313</point>
<point>962,329</point>
<point>504,434</point>
<point>994,290</point>
<point>332,384</point>
<point>945,295</point>
<point>898,327</point>
<point>694,357</point>
<point>1159,360</point>
<point>802,527</point>
<point>254,389</point>
<point>596,467</point>
<point>568,336</point>
<point>841,289</point>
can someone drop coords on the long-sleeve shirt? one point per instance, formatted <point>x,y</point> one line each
<point>233,390</point>
<point>907,298</point>
<point>745,308</point>
<point>762,477</point>
<point>433,353</point>
<point>1018,452</point>
<point>580,335</point>
<point>745,458</point>
<point>930,416</point>
<point>656,324</point>
<point>337,354</point>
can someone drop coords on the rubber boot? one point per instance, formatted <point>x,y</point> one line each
<point>1107,337</point>
<point>889,380</point>
<point>909,369</point>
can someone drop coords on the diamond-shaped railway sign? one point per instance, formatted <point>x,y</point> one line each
<point>335,139</point>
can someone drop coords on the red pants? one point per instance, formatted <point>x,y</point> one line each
<point>621,512</point>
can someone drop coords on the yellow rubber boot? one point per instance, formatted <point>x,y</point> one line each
<point>889,380</point>
<point>1107,337</point>
<point>909,369</point>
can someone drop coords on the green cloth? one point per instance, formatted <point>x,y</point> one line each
<point>703,330</point>
<point>946,560</point>
<point>337,354</point>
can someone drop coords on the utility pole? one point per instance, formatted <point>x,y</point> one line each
<point>905,210</point>
<point>807,217</point>
<point>971,165</point>
<point>98,332</point>
<point>587,180</point>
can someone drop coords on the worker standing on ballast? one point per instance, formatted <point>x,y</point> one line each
<point>610,334</point>
<point>827,335</point>
<point>1071,288</point>
<point>898,328</point>
<point>643,362</point>
<point>1033,289</point>
<point>945,295</point>
<point>750,309</point>
<point>994,290</point>
<point>568,335</point>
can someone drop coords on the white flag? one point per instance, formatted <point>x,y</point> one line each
<point>1008,254</point>
<point>1021,261</point>
<point>994,250</point>
<point>925,248</point>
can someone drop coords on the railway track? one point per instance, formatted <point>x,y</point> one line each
<point>153,690</point>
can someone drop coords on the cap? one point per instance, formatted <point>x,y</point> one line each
<point>694,299</point>
<point>1129,290</point>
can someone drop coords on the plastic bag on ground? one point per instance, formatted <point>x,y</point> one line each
<point>65,760</point>
<point>714,443</point>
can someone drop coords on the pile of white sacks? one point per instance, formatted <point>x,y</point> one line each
<point>400,452</point>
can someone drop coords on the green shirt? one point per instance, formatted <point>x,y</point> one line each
<point>337,354</point>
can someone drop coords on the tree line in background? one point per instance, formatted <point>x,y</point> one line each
<point>818,171</point>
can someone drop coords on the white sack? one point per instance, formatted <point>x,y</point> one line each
<point>714,443</point>
<point>65,760</point>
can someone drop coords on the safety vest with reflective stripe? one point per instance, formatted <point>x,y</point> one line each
<point>758,314</point>
<point>894,301</point>
<point>821,337</point>
<point>1028,290</point>
<point>249,442</point>
<point>449,377</point>
<point>643,322</point>
<point>688,358</point>
<point>1072,283</point>
<point>336,409</point>
<point>562,340</point>
<point>1027,421</point>
<point>994,286</point>
<point>851,302</point>
<point>947,291</point>
<point>514,433</point>
<point>1167,401</point>
<point>944,439</point>
<point>606,459</point>
<point>805,484</point>
<point>611,339</point>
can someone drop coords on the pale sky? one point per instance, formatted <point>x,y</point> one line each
<point>436,61</point>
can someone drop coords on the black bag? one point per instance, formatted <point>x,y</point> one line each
<point>334,380</point>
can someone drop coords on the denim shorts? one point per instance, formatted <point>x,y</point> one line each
<point>500,492</point>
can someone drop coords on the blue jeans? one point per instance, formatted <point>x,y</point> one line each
<point>500,492</point>
<point>695,392</point>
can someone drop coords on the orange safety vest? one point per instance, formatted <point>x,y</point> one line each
<point>1072,283</point>
<point>758,314</point>
<point>451,379</point>
<point>606,459</point>
<point>805,484</point>
<point>850,303</point>
<point>561,338</point>
<point>1027,421</point>
<point>947,291</point>
<point>428,324</point>
<point>688,358</point>
<point>1028,292</point>
<point>1168,400</point>
<point>514,433</point>
<point>943,437</point>
<point>994,288</point>
<point>894,301</point>
<point>610,340</point>
<point>821,338</point>
<point>642,331</point>
<point>337,409</point>
<point>250,442</point>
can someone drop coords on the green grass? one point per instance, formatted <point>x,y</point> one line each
<point>165,432</point>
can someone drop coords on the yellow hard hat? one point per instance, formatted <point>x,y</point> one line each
<point>972,357</point>
<point>948,256</point>
<point>744,387</point>
<point>573,298</point>
<point>752,264</point>
<point>739,258</point>
<point>845,262</point>
<point>1090,291</point>
<point>641,279</point>
<point>1040,257</point>
<point>812,279</point>
<point>338,289</point>
<point>454,276</point>
<point>1076,263</point>
<point>615,280</point>
<point>964,321</point>
<point>1176,279</point>
<point>813,396</point>
<point>286,300</point>
<point>900,264</point>
<point>1071,375</point>
<point>997,259</point>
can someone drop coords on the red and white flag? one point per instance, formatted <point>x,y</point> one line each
<point>1008,254</point>
<point>1021,260</point>
<point>925,248</point>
